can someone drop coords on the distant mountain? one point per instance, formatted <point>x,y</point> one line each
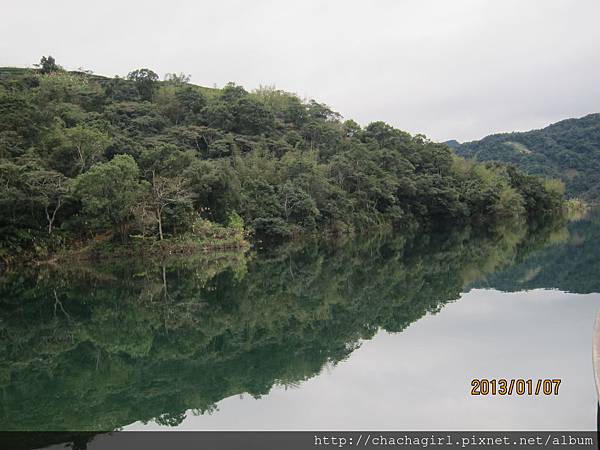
<point>452,143</point>
<point>568,150</point>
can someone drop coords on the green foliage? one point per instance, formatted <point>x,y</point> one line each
<point>81,148</point>
<point>145,82</point>
<point>568,150</point>
<point>48,64</point>
<point>47,190</point>
<point>284,165</point>
<point>109,191</point>
<point>236,222</point>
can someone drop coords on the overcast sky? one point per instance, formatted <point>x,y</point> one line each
<point>449,69</point>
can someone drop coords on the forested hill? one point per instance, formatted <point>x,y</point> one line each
<point>568,150</point>
<point>84,156</point>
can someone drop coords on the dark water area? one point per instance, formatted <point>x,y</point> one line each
<point>384,332</point>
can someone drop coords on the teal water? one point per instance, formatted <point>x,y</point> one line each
<point>383,332</point>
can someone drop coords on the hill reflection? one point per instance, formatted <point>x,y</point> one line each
<point>97,348</point>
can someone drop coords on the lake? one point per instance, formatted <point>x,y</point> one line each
<point>380,332</point>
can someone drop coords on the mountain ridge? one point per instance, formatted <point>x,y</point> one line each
<point>568,149</point>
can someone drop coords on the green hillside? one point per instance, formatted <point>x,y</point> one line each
<point>85,158</point>
<point>568,150</point>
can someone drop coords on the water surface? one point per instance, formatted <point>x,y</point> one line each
<point>378,333</point>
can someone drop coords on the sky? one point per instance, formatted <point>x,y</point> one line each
<point>459,69</point>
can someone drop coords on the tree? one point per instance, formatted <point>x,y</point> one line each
<point>164,192</point>
<point>252,116</point>
<point>192,100</point>
<point>351,128</point>
<point>194,137</point>
<point>145,81</point>
<point>88,145</point>
<point>298,206</point>
<point>20,122</point>
<point>232,93</point>
<point>218,115</point>
<point>109,191</point>
<point>48,189</point>
<point>216,187</point>
<point>47,65</point>
<point>181,104</point>
<point>12,194</point>
<point>121,90</point>
<point>177,78</point>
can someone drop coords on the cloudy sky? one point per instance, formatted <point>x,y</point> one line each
<point>449,69</point>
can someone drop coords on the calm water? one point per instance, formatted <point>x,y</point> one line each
<point>378,333</point>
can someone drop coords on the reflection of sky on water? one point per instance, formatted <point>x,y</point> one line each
<point>420,379</point>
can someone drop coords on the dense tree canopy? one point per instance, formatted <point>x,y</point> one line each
<point>568,150</point>
<point>149,157</point>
